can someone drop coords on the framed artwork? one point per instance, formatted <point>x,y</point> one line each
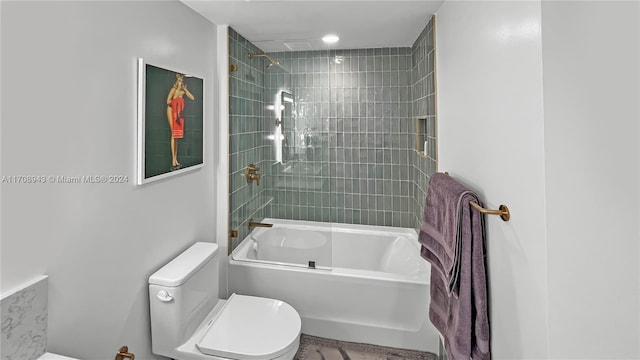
<point>170,137</point>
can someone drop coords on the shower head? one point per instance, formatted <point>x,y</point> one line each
<point>271,61</point>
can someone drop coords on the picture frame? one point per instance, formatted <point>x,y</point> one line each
<point>170,122</point>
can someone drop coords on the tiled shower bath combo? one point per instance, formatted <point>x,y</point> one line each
<point>335,137</point>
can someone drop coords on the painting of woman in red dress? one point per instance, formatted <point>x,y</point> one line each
<point>175,108</point>
<point>170,122</point>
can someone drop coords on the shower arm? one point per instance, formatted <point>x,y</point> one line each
<point>271,61</point>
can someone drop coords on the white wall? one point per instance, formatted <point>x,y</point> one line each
<point>591,106</point>
<point>490,136</point>
<point>68,108</point>
<point>538,109</point>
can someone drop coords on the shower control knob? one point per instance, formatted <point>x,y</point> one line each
<point>164,296</point>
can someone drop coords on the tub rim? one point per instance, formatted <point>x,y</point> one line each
<point>239,255</point>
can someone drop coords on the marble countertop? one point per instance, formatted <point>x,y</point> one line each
<point>50,356</point>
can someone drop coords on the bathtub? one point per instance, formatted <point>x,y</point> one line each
<point>349,282</point>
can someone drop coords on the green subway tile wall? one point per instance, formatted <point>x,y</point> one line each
<point>246,134</point>
<point>352,113</point>
<point>423,107</point>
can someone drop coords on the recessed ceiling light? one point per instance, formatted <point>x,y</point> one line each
<point>330,39</point>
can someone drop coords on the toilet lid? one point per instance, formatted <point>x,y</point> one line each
<point>252,328</point>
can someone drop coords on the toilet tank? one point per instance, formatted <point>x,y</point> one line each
<point>181,294</point>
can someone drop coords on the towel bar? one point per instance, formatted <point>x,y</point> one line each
<point>503,210</point>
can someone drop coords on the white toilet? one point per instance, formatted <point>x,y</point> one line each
<point>189,322</point>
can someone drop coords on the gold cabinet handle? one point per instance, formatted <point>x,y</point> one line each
<point>124,353</point>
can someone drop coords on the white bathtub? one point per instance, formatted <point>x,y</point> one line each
<point>369,283</point>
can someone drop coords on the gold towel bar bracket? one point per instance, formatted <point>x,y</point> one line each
<point>503,211</point>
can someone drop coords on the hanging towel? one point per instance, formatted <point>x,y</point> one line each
<point>452,239</point>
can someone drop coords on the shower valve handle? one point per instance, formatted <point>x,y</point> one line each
<point>252,175</point>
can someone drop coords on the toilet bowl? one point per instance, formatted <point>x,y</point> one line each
<point>189,322</point>
<point>252,328</point>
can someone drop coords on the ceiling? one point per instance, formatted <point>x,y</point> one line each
<point>297,25</point>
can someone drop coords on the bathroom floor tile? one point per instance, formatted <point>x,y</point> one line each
<point>317,348</point>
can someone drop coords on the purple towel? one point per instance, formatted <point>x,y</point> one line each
<point>452,238</point>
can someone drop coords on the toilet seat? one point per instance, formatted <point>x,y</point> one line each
<point>252,328</point>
